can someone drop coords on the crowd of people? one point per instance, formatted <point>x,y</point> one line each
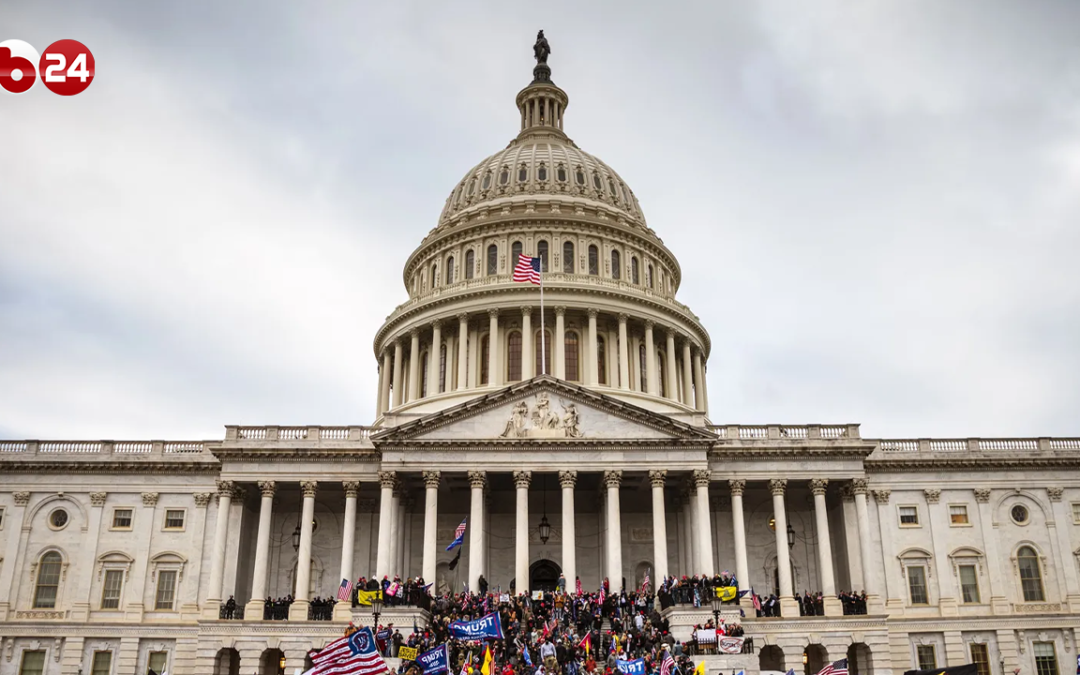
<point>277,610</point>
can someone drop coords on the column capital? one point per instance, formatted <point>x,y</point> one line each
<point>560,311</point>
<point>98,498</point>
<point>526,311</point>
<point>225,488</point>
<point>819,485</point>
<point>414,333</point>
<point>308,487</point>
<point>777,486</point>
<point>477,479</point>
<point>149,498</point>
<point>657,477</point>
<point>649,324</point>
<point>982,495</point>
<point>522,479</point>
<point>623,316</point>
<point>432,479</point>
<point>568,478</point>
<point>612,479</point>
<point>702,478</point>
<point>882,496</point>
<point>387,479</point>
<point>202,499</point>
<point>593,312</point>
<point>493,312</point>
<point>738,486</point>
<point>267,488</point>
<point>21,498</point>
<point>352,488</point>
<point>1055,493</point>
<point>462,317</point>
<point>860,486</point>
<point>436,324</point>
<point>933,495</point>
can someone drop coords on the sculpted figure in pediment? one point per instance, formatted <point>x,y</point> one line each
<point>571,421</point>
<point>543,416</point>
<point>515,426</point>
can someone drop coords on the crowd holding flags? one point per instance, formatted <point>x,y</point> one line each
<point>353,654</point>
<point>344,591</point>
<point>835,668</point>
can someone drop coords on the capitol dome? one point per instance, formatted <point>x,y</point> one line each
<point>610,321</point>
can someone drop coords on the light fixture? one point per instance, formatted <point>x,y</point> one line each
<point>376,609</point>
<point>281,663</point>
<point>717,603</point>
<point>772,524</point>
<point>545,526</point>
<point>296,537</point>
<point>804,659</point>
<point>790,536</point>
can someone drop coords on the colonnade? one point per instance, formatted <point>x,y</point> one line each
<point>697,537</point>
<point>661,361</point>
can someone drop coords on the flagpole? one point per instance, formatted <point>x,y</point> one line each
<point>543,333</point>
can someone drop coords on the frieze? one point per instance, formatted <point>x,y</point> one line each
<point>41,615</point>
<point>542,421</point>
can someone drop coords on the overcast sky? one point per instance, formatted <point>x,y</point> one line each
<point>876,205</point>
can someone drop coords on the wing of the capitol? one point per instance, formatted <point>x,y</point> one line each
<point>220,556</point>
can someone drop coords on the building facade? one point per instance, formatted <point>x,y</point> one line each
<point>589,415</point>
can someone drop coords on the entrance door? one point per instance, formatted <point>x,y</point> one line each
<point>543,575</point>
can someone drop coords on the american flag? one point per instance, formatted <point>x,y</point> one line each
<point>668,664</point>
<point>578,582</point>
<point>527,269</point>
<point>645,582</point>
<point>757,600</point>
<point>459,535</point>
<point>835,668</point>
<point>351,655</point>
<point>344,591</point>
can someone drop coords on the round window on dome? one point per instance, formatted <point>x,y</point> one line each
<point>541,173</point>
<point>58,519</point>
<point>560,173</point>
<point>1019,514</point>
<point>504,176</point>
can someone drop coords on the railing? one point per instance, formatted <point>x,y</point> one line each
<point>102,447</point>
<point>13,446</point>
<point>784,432</point>
<point>234,614</point>
<point>953,445</point>
<point>312,434</point>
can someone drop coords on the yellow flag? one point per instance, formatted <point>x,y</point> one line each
<point>700,669</point>
<point>726,593</point>
<point>487,667</point>
<point>365,597</point>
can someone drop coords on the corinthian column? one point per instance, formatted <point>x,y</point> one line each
<point>431,521</point>
<point>738,524</point>
<point>624,355</point>
<point>414,364</point>
<point>670,373</point>
<point>387,480</point>
<point>592,373</point>
<point>254,609</point>
<point>560,343</point>
<point>384,383</point>
<point>833,607</point>
<point>494,371</point>
<point>702,477</point>
<point>687,375</point>
<point>657,477</point>
<point>522,479</point>
<point>298,611</point>
<point>788,606</point>
<point>613,480</point>
<point>221,536</point>
<point>343,610</point>
<point>462,354</point>
<point>528,356</point>
<point>433,359</point>
<point>477,479</point>
<point>568,479</point>
<point>650,360</point>
<point>699,384</point>
<point>870,578</point>
<point>399,387</point>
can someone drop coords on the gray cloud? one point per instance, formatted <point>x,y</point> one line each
<point>875,206</point>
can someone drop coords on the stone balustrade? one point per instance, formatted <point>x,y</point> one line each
<point>783,432</point>
<point>103,447</point>
<point>954,445</point>
<point>312,434</point>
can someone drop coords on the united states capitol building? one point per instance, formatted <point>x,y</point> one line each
<point>608,465</point>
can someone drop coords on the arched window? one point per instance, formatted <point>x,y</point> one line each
<point>434,274</point>
<point>542,253</point>
<point>47,580</point>
<point>450,270</point>
<point>513,357</point>
<point>504,175</point>
<point>523,173</point>
<point>616,265</point>
<point>635,275</point>
<point>493,260</point>
<point>515,253</point>
<point>547,352</point>
<point>596,182</point>
<point>424,360</point>
<point>560,173</point>
<point>470,263</point>
<point>487,181</point>
<point>568,257</point>
<point>580,176</point>
<point>594,260</point>
<point>644,380</point>
<point>649,277</point>
<point>572,357</point>
<point>442,367</point>
<point>484,358</point>
<point>601,361</point>
<point>1027,560</point>
<point>472,187</point>
<point>541,172</point>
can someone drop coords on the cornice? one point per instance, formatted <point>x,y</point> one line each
<point>354,455</point>
<point>981,462</point>
<point>807,451</point>
<point>77,467</point>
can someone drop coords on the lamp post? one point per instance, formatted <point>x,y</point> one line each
<point>716,605</point>
<point>376,610</point>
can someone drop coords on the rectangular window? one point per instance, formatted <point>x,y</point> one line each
<point>980,656</point>
<point>33,662</point>
<point>927,657</point>
<point>102,663</point>
<point>159,660</point>
<point>909,515</point>
<point>916,576</point>
<point>1045,658</point>
<point>121,519</point>
<point>958,514</point>
<point>969,584</point>
<point>1,517</point>
<point>110,592</point>
<point>174,519</point>
<point>1076,513</point>
<point>166,589</point>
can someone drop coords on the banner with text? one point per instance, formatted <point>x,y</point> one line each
<point>406,653</point>
<point>730,645</point>
<point>635,667</point>
<point>436,661</point>
<point>486,627</point>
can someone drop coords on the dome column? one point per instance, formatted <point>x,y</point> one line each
<point>699,384</point>
<point>624,355</point>
<point>494,368</point>
<point>687,377</point>
<point>591,369</point>
<point>398,386</point>
<point>384,381</point>
<point>433,358</point>
<point>560,343</point>
<point>670,372</point>
<point>528,359</point>
<point>414,365</point>
<point>462,351</point>
<point>650,360</point>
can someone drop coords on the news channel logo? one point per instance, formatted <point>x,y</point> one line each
<point>66,67</point>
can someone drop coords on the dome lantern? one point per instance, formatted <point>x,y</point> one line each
<point>541,104</point>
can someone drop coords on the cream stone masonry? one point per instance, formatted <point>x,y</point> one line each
<point>588,450</point>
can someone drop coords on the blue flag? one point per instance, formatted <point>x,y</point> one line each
<point>362,641</point>
<point>486,627</point>
<point>435,661</point>
<point>528,659</point>
<point>635,667</point>
<point>459,536</point>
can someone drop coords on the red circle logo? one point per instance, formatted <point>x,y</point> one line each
<point>67,67</point>
<point>18,63</point>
